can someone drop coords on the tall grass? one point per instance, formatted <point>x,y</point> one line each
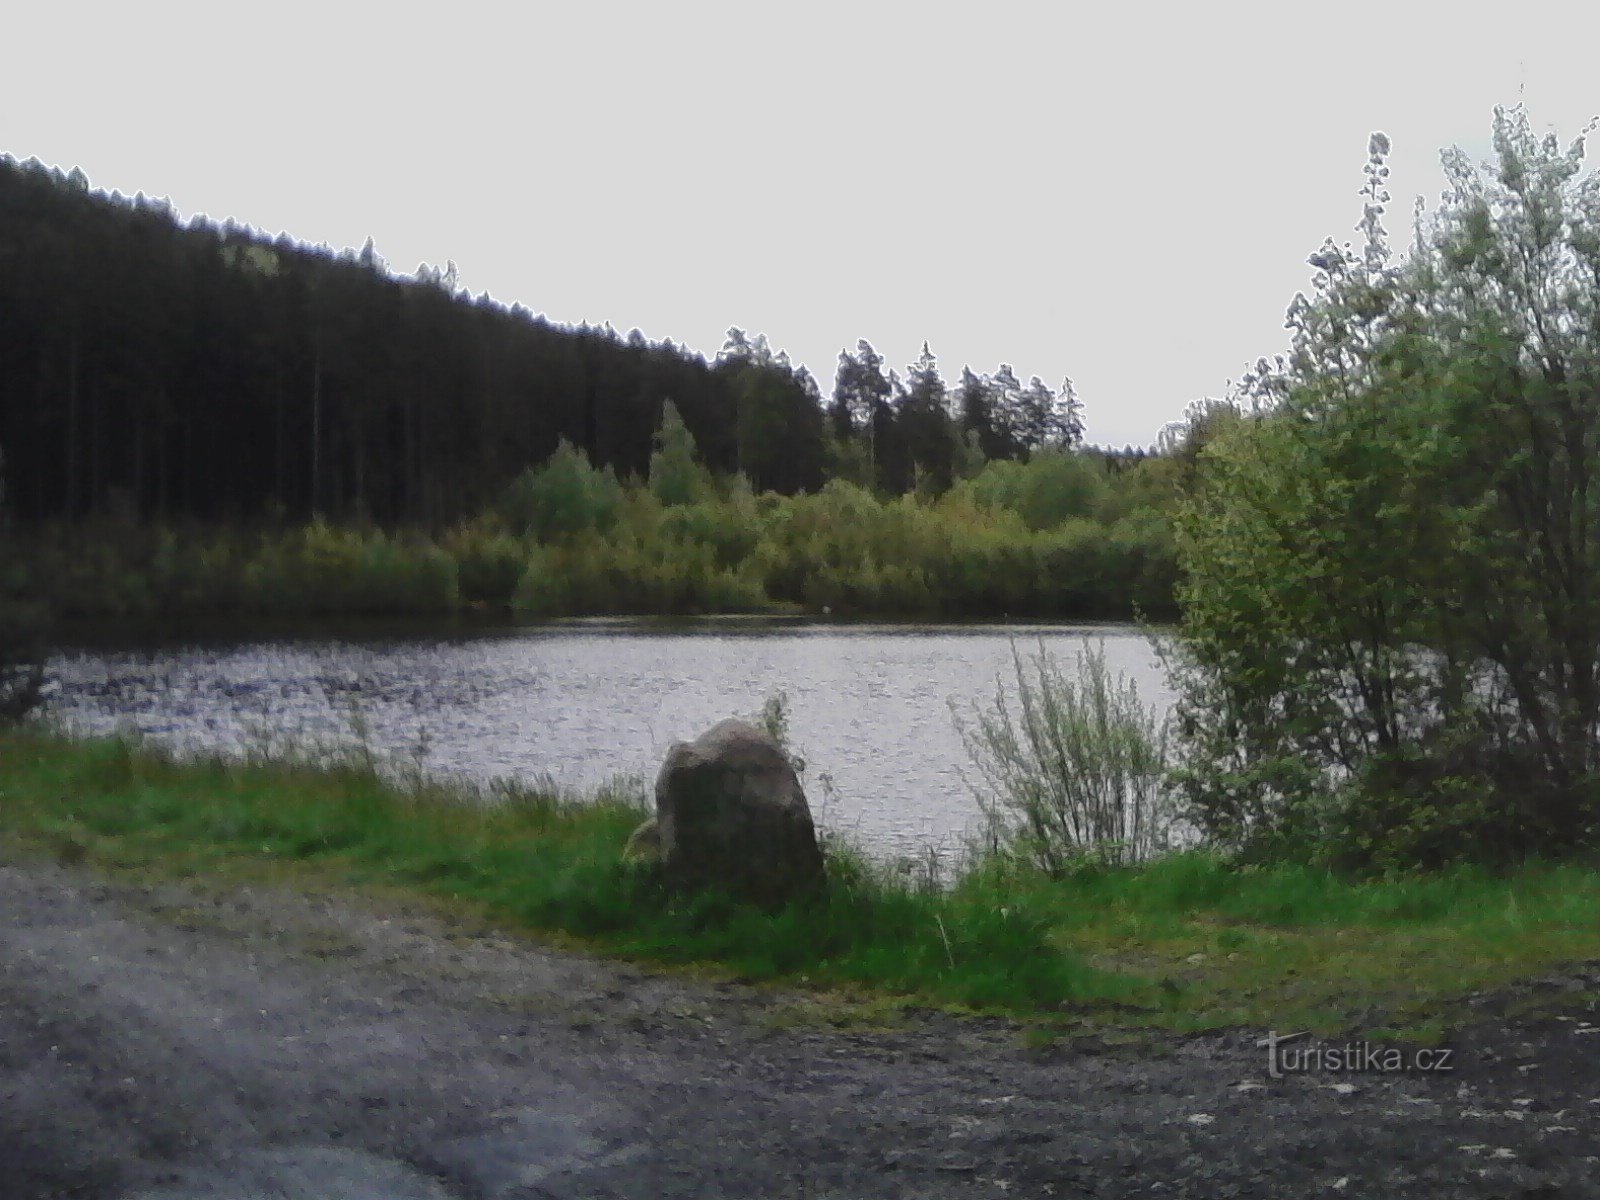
<point>1074,767</point>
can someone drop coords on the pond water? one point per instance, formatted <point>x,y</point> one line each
<point>584,701</point>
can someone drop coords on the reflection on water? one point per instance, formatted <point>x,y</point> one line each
<point>586,700</point>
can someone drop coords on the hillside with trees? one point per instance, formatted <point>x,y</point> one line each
<point>199,417</point>
<point>209,371</point>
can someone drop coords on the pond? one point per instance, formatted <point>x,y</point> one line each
<point>870,705</point>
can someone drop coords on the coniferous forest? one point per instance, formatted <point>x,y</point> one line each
<point>200,416</point>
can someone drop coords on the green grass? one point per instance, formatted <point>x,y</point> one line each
<point>530,858</point>
<point>1186,943</point>
<point>1295,946</point>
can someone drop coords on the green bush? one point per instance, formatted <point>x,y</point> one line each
<point>1074,768</point>
<point>321,570</point>
<point>489,565</point>
<point>572,540</point>
<point>1391,637</point>
<point>565,497</point>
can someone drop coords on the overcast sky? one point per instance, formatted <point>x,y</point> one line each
<point>1123,194</point>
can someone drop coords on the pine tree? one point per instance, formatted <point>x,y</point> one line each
<point>1009,418</point>
<point>841,419</point>
<point>975,401</point>
<point>1066,419</point>
<point>779,425</point>
<point>862,390</point>
<point>924,421</point>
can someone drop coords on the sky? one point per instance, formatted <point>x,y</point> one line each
<point>1122,194</point>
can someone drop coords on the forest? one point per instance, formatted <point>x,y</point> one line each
<point>201,418</point>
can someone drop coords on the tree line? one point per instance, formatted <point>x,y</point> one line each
<point>207,371</point>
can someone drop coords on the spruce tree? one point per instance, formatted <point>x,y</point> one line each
<point>925,424</point>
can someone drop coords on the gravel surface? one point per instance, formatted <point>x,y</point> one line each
<point>168,1043</point>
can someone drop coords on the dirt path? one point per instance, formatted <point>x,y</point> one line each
<point>165,1044</point>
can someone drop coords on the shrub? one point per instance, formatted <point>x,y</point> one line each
<point>322,570</point>
<point>489,565</point>
<point>1391,630</point>
<point>1074,768</point>
<point>564,497</point>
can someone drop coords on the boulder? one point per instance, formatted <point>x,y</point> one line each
<point>731,815</point>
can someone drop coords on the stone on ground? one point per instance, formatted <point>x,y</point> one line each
<point>731,815</point>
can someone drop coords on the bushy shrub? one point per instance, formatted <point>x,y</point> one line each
<point>1074,767</point>
<point>321,570</point>
<point>571,540</point>
<point>542,591</point>
<point>197,572</point>
<point>489,564</point>
<point>565,497</point>
<point>1052,487</point>
<point>1390,635</point>
<point>732,531</point>
<point>623,576</point>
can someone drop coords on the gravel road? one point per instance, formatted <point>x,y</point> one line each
<point>169,1043</point>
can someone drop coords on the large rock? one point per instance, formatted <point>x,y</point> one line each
<point>730,814</point>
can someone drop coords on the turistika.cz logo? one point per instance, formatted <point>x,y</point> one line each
<point>1288,1055</point>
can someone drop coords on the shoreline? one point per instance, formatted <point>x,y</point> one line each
<point>1184,944</point>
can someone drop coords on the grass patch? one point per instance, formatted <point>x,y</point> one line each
<point>529,857</point>
<point>1298,947</point>
<point>1188,942</point>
